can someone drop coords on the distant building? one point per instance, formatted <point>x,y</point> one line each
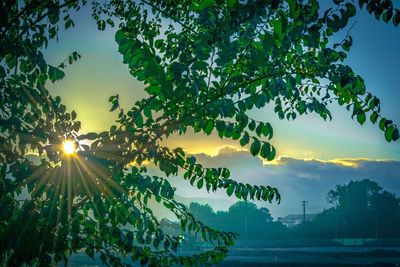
<point>295,219</point>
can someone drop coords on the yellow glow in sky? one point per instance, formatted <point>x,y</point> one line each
<point>69,147</point>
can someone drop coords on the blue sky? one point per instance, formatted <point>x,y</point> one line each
<point>375,55</point>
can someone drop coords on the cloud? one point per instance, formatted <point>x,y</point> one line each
<point>296,179</point>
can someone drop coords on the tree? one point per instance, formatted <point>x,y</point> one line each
<point>361,209</point>
<point>247,220</point>
<point>203,213</point>
<point>243,218</point>
<point>361,205</point>
<point>385,215</point>
<point>204,64</point>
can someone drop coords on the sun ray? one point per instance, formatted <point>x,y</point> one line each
<point>69,189</point>
<point>55,198</point>
<point>42,182</point>
<point>46,174</point>
<point>41,170</point>
<point>96,171</point>
<point>84,182</point>
<point>52,200</point>
<point>62,195</point>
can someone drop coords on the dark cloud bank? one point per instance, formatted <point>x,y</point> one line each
<point>297,179</point>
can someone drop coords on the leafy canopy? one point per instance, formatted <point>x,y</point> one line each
<point>204,64</point>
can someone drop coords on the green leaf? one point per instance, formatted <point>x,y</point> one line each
<point>55,74</point>
<point>382,124</point>
<point>252,125</point>
<point>226,173</point>
<point>200,65</point>
<point>209,126</point>
<point>361,118</point>
<point>389,133</point>
<point>147,112</point>
<point>73,115</point>
<point>238,192</point>
<point>395,134</point>
<point>272,154</point>
<point>167,244</point>
<point>265,150</point>
<point>156,243</point>
<point>231,3</point>
<point>205,4</point>
<point>351,9</point>
<point>11,61</point>
<point>159,43</point>
<point>278,28</point>
<point>139,120</point>
<point>396,18</point>
<point>200,183</point>
<point>114,104</point>
<point>69,23</point>
<point>267,130</point>
<point>230,189</point>
<point>245,139</point>
<point>255,147</point>
<point>387,15</point>
<point>153,89</point>
<point>374,117</point>
<point>259,129</point>
<point>111,98</point>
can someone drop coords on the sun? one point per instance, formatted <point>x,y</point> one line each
<point>69,147</point>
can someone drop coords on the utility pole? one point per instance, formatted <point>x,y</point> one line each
<point>304,202</point>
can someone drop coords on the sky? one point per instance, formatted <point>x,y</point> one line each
<point>313,155</point>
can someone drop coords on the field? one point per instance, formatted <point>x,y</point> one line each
<point>302,257</point>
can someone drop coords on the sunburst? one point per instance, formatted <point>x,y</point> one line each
<point>69,147</point>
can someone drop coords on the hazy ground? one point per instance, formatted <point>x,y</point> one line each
<point>307,257</point>
<point>320,256</point>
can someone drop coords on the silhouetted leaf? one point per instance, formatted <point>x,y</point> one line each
<point>255,147</point>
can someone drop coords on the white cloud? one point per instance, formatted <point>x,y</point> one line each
<point>297,179</point>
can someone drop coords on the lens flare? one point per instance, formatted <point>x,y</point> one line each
<point>69,147</point>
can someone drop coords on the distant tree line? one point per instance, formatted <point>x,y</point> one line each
<point>243,218</point>
<point>359,209</point>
